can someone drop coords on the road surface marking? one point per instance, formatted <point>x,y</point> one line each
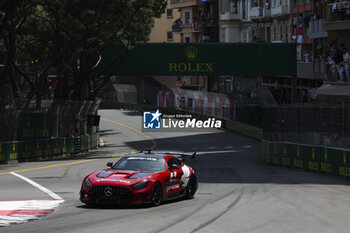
<point>216,152</point>
<point>247,147</point>
<point>128,153</point>
<point>90,160</point>
<point>135,130</point>
<point>211,147</point>
<point>50,166</point>
<point>35,184</point>
<point>12,212</point>
<point>229,147</point>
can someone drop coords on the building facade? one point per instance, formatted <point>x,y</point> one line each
<point>162,29</point>
<point>316,26</point>
<point>198,21</point>
<point>254,21</point>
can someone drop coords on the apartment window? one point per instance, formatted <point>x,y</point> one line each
<point>201,15</point>
<point>187,18</point>
<point>170,35</point>
<point>169,13</point>
<point>234,6</point>
<point>244,16</point>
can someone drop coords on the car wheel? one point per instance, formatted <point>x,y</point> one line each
<point>191,188</point>
<point>156,195</point>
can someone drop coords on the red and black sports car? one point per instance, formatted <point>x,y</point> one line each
<point>145,177</point>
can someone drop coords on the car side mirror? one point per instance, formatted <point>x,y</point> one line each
<point>109,164</point>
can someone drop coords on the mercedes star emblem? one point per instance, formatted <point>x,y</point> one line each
<point>108,191</point>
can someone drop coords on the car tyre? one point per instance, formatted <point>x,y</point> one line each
<point>156,195</point>
<point>191,187</point>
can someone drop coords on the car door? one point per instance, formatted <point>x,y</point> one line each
<point>174,184</point>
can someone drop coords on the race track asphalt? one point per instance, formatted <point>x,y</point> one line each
<point>237,192</point>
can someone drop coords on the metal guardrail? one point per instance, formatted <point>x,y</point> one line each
<point>328,160</point>
<point>46,148</point>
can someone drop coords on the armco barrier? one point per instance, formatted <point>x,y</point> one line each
<point>12,151</point>
<point>3,152</point>
<point>328,160</point>
<point>77,144</point>
<point>84,143</point>
<point>41,148</point>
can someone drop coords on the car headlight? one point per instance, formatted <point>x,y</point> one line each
<point>87,182</point>
<point>140,185</point>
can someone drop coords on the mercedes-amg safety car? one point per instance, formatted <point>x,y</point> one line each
<point>145,177</point>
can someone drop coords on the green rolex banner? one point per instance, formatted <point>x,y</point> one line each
<point>201,59</point>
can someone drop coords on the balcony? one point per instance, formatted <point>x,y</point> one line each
<point>184,3</point>
<point>338,17</point>
<point>227,16</point>
<point>317,29</point>
<point>259,13</point>
<point>279,10</point>
<point>176,27</point>
<point>256,12</point>
<point>191,28</point>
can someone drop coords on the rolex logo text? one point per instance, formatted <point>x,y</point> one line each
<point>190,66</point>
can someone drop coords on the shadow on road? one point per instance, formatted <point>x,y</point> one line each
<point>230,158</point>
<point>129,206</point>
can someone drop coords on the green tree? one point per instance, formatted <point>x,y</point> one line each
<point>38,37</point>
<point>13,14</point>
<point>63,35</point>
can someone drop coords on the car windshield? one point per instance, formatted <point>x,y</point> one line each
<point>140,163</point>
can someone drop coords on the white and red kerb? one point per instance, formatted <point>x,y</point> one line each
<point>14,212</point>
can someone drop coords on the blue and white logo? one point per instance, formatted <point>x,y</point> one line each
<point>151,120</point>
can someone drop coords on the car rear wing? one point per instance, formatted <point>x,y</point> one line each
<point>179,154</point>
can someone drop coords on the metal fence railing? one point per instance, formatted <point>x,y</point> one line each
<point>70,118</point>
<point>58,118</point>
<point>316,124</point>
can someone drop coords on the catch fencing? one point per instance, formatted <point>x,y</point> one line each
<point>211,104</point>
<point>313,136</point>
<point>59,118</point>
<point>60,127</point>
<point>313,123</point>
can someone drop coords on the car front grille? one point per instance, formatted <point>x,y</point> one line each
<point>116,192</point>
